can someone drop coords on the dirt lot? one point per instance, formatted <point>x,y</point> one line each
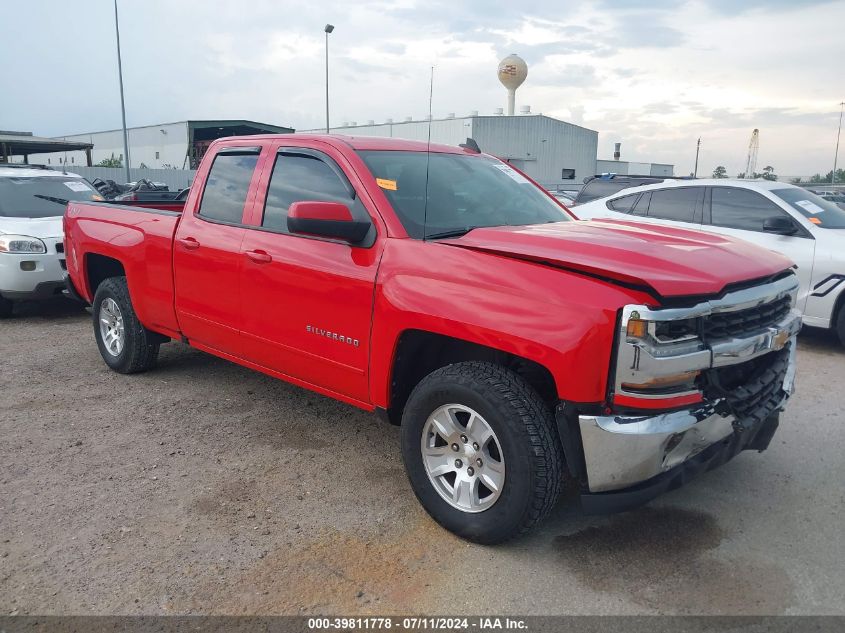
<point>203,487</point>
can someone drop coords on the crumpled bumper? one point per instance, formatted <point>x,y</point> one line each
<point>622,451</point>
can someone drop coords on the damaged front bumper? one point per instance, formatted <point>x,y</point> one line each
<point>629,459</point>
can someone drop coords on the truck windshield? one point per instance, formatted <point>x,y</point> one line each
<point>816,209</point>
<point>464,192</point>
<point>41,197</point>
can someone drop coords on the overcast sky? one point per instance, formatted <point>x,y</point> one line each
<point>653,74</point>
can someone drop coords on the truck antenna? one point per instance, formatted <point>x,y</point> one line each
<point>428,154</point>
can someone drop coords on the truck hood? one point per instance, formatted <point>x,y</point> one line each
<point>670,261</point>
<point>33,227</point>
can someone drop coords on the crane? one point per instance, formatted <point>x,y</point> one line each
<point>753,146</point>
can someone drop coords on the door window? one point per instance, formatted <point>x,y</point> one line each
<point>299,177</point>
<point>227,186</point>
<point>674,204</point>
<point>736,208</point>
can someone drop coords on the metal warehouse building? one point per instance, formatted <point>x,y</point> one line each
<point>628,168</point>
<point>551,151</point>
<point>178,145</point>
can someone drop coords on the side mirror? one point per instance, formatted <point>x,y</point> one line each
<point>326,219</point>
<point>779,225</point>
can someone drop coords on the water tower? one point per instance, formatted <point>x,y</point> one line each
<point>512,72</point>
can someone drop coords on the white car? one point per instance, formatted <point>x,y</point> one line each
<point>32,258</point>
<point>779,216</point>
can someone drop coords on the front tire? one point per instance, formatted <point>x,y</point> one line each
<point>125,345</point>
<point>481,451</point>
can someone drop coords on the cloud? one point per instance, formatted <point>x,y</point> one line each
<point>655,75</point>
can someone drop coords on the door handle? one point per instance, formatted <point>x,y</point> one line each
<point>189,243</point>
<point>259,257</point>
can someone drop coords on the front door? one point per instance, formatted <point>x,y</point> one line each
<point>311,320</point>
<point>741,213</point>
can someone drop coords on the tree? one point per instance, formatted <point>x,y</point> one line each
<point>818,178</point>
<point>720,172</point>
<point>768,173</point>
<point>741,174</point>
<point>110,162</point>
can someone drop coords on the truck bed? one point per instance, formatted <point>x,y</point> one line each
<point>139,236</point>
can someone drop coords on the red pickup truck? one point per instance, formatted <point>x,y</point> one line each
<point>518,348</point>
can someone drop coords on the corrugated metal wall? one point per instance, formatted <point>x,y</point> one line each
<point>539,145</point>
<point>175,178</point>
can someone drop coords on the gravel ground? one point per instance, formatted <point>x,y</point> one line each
<point>203,487</point>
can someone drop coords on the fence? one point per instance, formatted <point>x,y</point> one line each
<point>175,178</point>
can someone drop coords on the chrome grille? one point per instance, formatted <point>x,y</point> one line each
<point>721,325</point>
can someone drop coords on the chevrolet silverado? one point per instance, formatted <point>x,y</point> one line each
<point>517,348</point>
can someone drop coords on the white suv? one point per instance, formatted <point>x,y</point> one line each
<point>32,254</point>
<point>776,215</point>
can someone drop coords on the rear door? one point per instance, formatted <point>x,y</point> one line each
<point>740,213</point>
<point>676,206</point>
<point>307,301</point>
<point>207,257</point>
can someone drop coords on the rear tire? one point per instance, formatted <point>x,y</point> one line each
<point>125,345</point>
<point>476,403</point>
<point>6,306</point>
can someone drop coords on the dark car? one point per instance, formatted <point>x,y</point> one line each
<point>603,185</point>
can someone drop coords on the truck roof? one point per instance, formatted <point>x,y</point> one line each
<point>359,142</point>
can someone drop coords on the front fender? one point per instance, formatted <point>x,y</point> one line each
<point>561,320</point>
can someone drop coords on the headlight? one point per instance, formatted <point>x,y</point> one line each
<point>21,244</point>
<point>660,355</point>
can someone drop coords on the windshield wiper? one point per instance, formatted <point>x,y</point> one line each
<point>451,233</point>
<point>51,199</point>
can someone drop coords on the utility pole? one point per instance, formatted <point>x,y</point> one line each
<point>697,148</point>
<point>328,29</point>
<point>836,155</point>
<point>122,104</point>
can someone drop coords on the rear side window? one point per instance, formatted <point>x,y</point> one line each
<point>674,204</point>
<point>226,188</point>
<point>641,207</point>
<point>736,208</point>
<point>299,177</point>
<point>624,204</point>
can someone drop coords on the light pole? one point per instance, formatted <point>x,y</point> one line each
<point>836,155</point>
<point>328,29</point>
<point>122,105</point>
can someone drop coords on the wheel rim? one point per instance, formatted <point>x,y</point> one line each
<point>463,458</point>
<point>112,332</point>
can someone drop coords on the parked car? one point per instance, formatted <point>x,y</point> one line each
<point>32,258</point>
<point>604,185</point>
<point>147,191</point>
<point>775,215</point>
<point>566,197</point>
<point>450,294</point>
<point>836,198</point>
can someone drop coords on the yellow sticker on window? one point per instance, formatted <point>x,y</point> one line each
<point>384,183</point>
